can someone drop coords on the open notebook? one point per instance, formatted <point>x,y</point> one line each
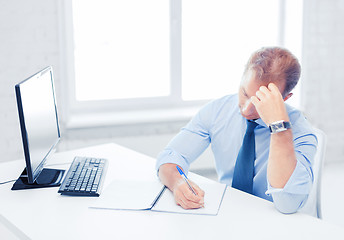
<point>152,195</point>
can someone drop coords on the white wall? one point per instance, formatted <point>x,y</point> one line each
<point>323,71</point>
<point>29,41</point>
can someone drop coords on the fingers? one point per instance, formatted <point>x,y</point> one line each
<point>191,200</point>
<point>255,100</point>
<point>269,103</point>
<point>189,195</point>
<point>272,87</point>
<point>199,191</point>
<point>260,95</point>
<point>264,92</point>
<point>184,203</point>
<point>186,198</point>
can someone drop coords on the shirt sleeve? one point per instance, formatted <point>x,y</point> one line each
<point>189,143</point>
<point>294,194</point>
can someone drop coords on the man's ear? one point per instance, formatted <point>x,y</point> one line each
<point>288,96</point>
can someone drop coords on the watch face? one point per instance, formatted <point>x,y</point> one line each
<point>278,127</point>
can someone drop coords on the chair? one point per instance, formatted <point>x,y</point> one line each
<point>313,204</point>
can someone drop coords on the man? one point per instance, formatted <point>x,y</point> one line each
<point>280,169</point>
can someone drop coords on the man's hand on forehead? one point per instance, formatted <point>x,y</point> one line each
<point>269,104</point>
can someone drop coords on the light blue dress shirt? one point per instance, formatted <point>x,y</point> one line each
<point>221,124</point>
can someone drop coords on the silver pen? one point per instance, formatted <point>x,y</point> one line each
<point>185,179</point>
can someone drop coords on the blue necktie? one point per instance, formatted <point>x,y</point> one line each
<point>244,166</point>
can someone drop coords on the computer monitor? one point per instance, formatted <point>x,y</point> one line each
<point>39,129</point>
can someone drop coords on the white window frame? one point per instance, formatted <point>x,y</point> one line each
<point>128,111</point>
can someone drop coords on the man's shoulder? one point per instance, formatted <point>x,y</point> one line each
<point>294,113</point>
<point>228,100</point>
<point>298,120</point>
<point>221,108</point>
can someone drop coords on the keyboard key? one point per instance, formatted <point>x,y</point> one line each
<point>84,177</point>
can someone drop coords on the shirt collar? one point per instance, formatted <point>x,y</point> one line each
<point>261,122</point>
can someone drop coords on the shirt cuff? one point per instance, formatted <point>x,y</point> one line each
<point>300,182</point>
<point>170,156</point>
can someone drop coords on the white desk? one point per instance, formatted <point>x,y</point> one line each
<point>45,214</point>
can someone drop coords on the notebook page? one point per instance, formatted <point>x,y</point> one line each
<point>129,195</point>
<point>214,193</point>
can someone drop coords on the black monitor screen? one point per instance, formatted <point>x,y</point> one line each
<point>38,120</point>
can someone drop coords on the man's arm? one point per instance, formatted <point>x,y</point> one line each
<point>282,160</point>
<point>183,196</point>
<point>289,164</point>
<point>182,150</point>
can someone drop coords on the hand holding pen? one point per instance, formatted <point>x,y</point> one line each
<point>185,179</point>
<point>187,194</point>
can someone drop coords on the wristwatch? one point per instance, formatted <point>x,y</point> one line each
<point>279,126</point>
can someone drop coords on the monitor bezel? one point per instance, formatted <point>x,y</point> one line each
<point>32,174</point>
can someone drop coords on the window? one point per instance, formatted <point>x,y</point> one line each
<point>121,49</point>
<point>218,38</point>
<point>135,54</point>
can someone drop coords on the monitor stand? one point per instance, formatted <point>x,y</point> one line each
<point>47,178</point>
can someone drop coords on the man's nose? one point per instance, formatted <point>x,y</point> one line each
<point>248,108</point>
